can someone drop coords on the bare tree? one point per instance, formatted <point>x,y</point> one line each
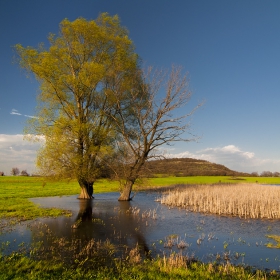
<point>152,122</point>
<point>14,171</point>
<point>266,174</point>
<point>24,173</point>
<point>255,174</point>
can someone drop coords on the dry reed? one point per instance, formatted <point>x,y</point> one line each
<point>242,200</point>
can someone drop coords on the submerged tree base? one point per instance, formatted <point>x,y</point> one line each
<point>85,194</point>
<point>124,198</point>
<point>92,197</point>
<point>126,193</point>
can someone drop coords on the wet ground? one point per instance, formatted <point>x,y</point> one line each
<point>156,228</point>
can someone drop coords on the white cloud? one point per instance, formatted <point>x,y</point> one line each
<point>32,117</point>
<point>234,158</point>
<point>16,112</point>
<point>17,152</point>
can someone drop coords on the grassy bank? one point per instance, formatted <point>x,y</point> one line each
<point>19,267</point>
<point>34,264</point>
<point>15,191</point>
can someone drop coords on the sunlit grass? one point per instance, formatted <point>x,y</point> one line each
<point>243,200</point>
<point>201,180</point>
<point>15,191</point>
<point>22,268</point>
<point>39,187</point>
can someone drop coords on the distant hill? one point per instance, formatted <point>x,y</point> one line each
<point>187,167</point>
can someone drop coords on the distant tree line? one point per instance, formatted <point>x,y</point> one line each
<point>266,174</point>
<point>15,171</point>
<point>179,167</point>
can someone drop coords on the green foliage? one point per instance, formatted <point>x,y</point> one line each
<point>86,66</point>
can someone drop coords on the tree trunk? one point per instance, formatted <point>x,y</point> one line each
<point>86,190</point>
<point>125,194</point>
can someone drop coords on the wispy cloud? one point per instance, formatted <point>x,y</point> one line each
<point>17,152</point>
<point>234,158</point>
<point>32,117</point>
<point>16,112</point>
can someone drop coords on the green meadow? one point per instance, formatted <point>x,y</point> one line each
<point>198,180</point>
<point>15,191</point>
<point>14,204</point>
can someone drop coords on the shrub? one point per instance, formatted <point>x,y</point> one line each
<point>24,173</point>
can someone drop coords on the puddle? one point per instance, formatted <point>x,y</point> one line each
<point>156,228</point>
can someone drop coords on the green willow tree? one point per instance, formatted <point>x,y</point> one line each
<point>79,75</point>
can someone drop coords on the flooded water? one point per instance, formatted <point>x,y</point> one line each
<point>156,228</point>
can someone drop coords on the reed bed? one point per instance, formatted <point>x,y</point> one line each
<point>242,200</point>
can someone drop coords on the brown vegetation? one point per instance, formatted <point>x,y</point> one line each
<point>243,200</point>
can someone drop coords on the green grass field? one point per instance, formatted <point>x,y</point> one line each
<point>201,180</point>
<point>14,203</point>
<point>15,191</point>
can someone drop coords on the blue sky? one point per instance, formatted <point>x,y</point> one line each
<point>230,49</point>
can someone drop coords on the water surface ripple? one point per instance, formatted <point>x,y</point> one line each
<point>156,228</point>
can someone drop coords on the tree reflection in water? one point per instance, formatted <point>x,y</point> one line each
<point>105,218</point>
<point>116,223</point>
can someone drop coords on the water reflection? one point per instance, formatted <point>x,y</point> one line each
<point>85,213</point>
<point>100,220</point>
<point>127,223</point>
